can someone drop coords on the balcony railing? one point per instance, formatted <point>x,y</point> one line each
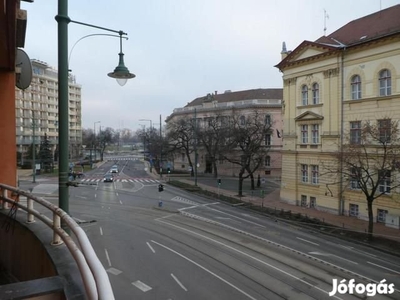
<point>94,276</point>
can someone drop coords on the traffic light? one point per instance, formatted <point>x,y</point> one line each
<point>169,170</point>
<point>219,181</point>
<point>160,187</point>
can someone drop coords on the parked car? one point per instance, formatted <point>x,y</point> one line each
<point>108,177</point>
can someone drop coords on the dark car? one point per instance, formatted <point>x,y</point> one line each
<point>108,178</point>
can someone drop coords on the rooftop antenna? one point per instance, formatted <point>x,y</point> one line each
<point>326,16</point>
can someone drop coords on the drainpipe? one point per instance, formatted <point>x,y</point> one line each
<point>341,200</point>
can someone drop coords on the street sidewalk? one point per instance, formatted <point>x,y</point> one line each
<point>272,200</point>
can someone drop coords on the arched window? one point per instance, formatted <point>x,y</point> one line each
<point>315,93</point>
<point>355,87</point>
<point>304,95</point>
<point>267,120</point>
<point>385,83</point>
<point>242,120</point>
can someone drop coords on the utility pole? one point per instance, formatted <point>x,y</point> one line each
<point>33,148</point>
<point>195,146</point>
<point>160,149</point>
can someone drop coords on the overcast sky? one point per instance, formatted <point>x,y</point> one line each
<point>180,49</point>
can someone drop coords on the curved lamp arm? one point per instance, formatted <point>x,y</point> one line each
<point>90,35</point>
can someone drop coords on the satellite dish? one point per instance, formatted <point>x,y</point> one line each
<point>23,70</point>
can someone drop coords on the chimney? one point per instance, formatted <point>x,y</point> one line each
<point>284,51</point>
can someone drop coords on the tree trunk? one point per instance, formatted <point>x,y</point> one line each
<point>370,219</point>
<point>252,181</point>
<point>215,169</point>
<point>240,192</point>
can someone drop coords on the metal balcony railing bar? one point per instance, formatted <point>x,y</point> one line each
<point>94,276</point>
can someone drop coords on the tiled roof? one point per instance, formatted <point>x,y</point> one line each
<point>379,24</point>
<point>241,95</point>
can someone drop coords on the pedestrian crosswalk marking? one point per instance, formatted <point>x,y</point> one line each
<point>184,200</point>
<point>120,158</point>
<point>132,180</point>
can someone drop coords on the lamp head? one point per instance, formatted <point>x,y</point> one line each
<point>121,73</point>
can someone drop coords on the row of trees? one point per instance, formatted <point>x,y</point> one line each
<point>238,139</point>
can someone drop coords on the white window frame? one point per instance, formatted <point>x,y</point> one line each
<point>304,134</point>
<point>314,174</point>
<point>268,139</point>
<point>355,132</point>
<point>304,173</point>
<point>267,161</point>
<point>354,180</point>
<point>313,202</point>
<point>268,120</point>
<point>385,83</point>
<point>315,93</point>
<point>381,215</point>
<point>304,95</point>
<point>353,210</point>
<point>356,87</point>
<point>315,133</point>
<point>385,130</point>
<point>385,184</point>
<point>303,201</point>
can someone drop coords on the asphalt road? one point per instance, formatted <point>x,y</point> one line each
<point>197,248</point>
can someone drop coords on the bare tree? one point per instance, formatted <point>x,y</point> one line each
<point>105,137</point>
<point>368,161</point>
<point>245,145</point>
<point>211,137</point>
<point>181,138</point>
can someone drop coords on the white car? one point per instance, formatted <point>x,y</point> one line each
<point>114,169</point>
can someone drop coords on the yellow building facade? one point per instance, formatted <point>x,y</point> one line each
<point>330,87</point>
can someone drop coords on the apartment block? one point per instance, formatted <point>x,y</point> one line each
<point>37,111</point>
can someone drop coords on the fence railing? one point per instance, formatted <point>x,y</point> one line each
<point>95,279</point>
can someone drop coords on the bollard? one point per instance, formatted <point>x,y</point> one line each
<point>160,204</point>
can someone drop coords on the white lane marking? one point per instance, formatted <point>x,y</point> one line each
<point>350,261</point>
<point>95,195</point>
<point>205,269</point>
<point>329,254</point>
<point>81,197</point>
<point>141,286</point>
<point>207,204</point>
<point>108,258</point>
<point>256,259</point>
<point>178,282</point>
<point>307,241</point>
<point>120,202</point>
<point>151,248</point>
<point>249,216</point>
<point>190,207</point>
<point>124,180</point>
<point>368,262</point>
<point>233,216</point>
<point>116,194</point>
<point>101,231</point>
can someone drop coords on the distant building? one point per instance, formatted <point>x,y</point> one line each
<point>37,110</point>
<point>332,86</point>
<point>265,101</point>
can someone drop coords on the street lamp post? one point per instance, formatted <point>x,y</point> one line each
<point>151,127</point>
<point>33,148</point>
<point>148,120</point>
<point>94,138</point>
<point>120,72</point>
